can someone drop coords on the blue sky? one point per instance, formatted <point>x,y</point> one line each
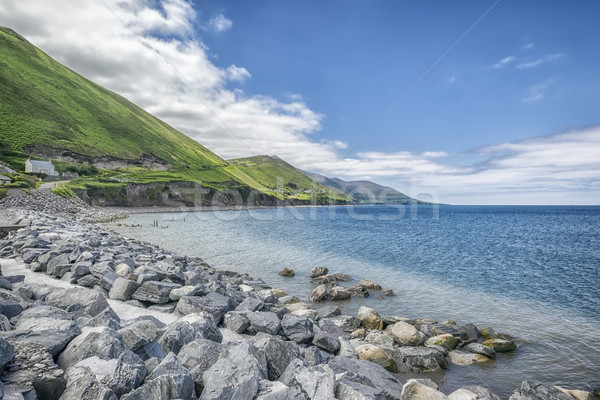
<point>510,115</point>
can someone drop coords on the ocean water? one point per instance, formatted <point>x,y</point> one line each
<point>529,271</point>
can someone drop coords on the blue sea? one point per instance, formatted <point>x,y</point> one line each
<point>529,271</point>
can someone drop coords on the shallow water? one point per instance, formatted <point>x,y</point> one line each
<point>531,272</point>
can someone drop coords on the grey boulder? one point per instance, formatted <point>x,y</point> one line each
<point>213,303</point>
<point>155,292</point>
<point>538,391</point>
<point>297,328</point>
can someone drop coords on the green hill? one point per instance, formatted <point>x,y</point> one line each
<point>49,110</point>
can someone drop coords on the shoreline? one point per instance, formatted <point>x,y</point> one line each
<point>393,352</point>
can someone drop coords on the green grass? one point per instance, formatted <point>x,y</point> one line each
<point>2,193</point>
<point>64,191</point>
<point>44,104</point>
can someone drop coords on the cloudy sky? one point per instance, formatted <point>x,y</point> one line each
<point>470,102</point>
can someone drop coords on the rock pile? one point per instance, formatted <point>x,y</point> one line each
<point>328,288</point>
<point>232,339</point>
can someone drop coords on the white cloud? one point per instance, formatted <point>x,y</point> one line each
<point>504,62</point>
<point>219,23</point>
<point>151,55</point>
<point>537,92</point>
<point>538,61</point>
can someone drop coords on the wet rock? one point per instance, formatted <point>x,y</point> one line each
<point>478,348</point>
<point>422,359</point>
<point>297,328</point>
<point>155,292</point>
<point>318,271</point>
<point>359,291</point>
<point>369,284</point>
<point>369,318</point>
<point>405,334</point>
<point>117,374</point>
<point>315,382</point>
<point>414,390</point>
<point>488,333</point>
<point>537,391</point>
<point>235,376</point>
<point>500,345</point>
<point>342,277</point>
<point>388,292</point>
<point>376,355</point>
<point>466,358</point>
<point>213,303</point>
<point>339,293</point>
<point>287,272</point>
<point>446,340</point>
<point>122,289</point>
<point>318,294</point>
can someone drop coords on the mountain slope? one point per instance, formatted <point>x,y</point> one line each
<point>364,191</point>
<point>47,109</point>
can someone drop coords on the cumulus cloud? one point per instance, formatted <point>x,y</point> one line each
<point>219,23</point>
<point>239,74</point>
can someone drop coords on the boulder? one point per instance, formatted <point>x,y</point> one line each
<point>236,321</point>
<point>488,333</point>
<point>117,374</point>
<point>250,304</point>
<point>188,329</point>
<point>421,359</point>
<point>359,291</point>
<point>297,328</point>
<point>236,375</point>
<point>107,318</point>
<point>92,301</point>
<point>197,356</point>
<point>339,293</point>
<point>213,303</point>
<point>139,334</point>
<point>576,394</point>
<point>369,318</point>
<point>87,388</point>
<point>348,390</point>
<point>178,293</point>
<point>178,377</point>
<point>369,284</point>
<point>269,390</point>
<point>318,271</point>
<point>375,354</point>
<point>478,348</point>
<point>7,352</point>
<point>415,390</point>
<point>537,391</point>
<point>405,334</point>
<point>318,294</point>
<point>326,340</point>
<point>500,345</point>
<point>314,356</point>
<point>466,358</point>
<point>314,382</point>
<point>446,340</point>
<point>263,321</point>
<point>380,338</point>
<point>53,334</point>
<point>329,311</point>
<point>287,272</point>
<point>346,349</point>
<point>155,292</point>
<point>279,354</point>
<point>123,269</point>
<point>10,308</point>
<point>347,323</point>
<point>122,289</point>
<point>482,393</point>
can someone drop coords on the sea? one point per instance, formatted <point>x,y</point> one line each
<point>532,272</point>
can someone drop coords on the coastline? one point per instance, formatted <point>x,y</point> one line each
<point>393,352</point>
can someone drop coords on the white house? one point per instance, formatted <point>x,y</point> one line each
<point>40,167</point>
<point>4,180</point>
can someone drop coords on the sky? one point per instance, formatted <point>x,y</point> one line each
<point>461,102</point>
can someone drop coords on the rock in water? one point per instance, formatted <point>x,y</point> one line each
<point>339,293</point>
<point>405,334</point>
<point>446,341</point>
<point>538,391</point>
<point>500,345</point>
<point>369,318</point>
<point>318,271</point>
<point>287,272</point>
<point>318,294</point>
<point>414,390</point>
<point>369,284</point>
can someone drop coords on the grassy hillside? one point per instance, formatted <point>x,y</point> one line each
<point>274,176</point>
<point>45,104</point>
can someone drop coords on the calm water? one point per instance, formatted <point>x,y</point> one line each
<point>532,272</point>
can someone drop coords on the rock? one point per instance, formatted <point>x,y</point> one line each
<point>155,292</point>
<point>236,321</point>
<point>178,293</point>
<point>7,352</point>
<point>288,300</point>
<point>139,334</point>
<point>315,382</point>
<point>10,308</point>
<point>106,318</point>
<point>279,355</point>
<point>122,289</point>
<point>368,374</point>
<point>117,374</point>
<point>359,291</point>
<point>87,388</point>
<point>198,356</point>
<point>339,293</point>
<point>478,348</point>
<point>446,340</point>
<point>328,280</point>
<point>32,367</point>
<point>235,376</point>
<point>342,277</point>
<point>466,358</point>
<point>347,323</point>
<point>178,377</point>
<point>414,390</point>
<point>263,321</point>
<point>100,341</point>
<point>318,294</point>
<point>388,292</point>
<point>268,390</point>
<point>314,356</point>
<point>500,345</point>
<point>380,338</point>
<point>287,272</point>
<point>278,293</point>
<point>329,311</point>
<point>537,391</point>
<point>327,339</point>
<point>307,313</point>
<point>421,359</point>
<point>369,318</point>
<point>405,334</point>
<point>482,393</point>
<point>250,304</point>
<point>346,349</point>
<point>52,334</point>
<point>488,333</point>
<point>92,302</point>
<point>348,390</point>
<point>297,328</point>
<point>188,329</point>
<point>576,394</point>
<point>123,269</point>
<point>375,354</point>
<point>318,271</point>
<point>108,280</point>
<point>213,303</point>
<point>89,281</point>
<point>369,284</point>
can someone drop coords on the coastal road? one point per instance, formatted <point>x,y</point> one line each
<point>124,311</point>
<point>50,185</point>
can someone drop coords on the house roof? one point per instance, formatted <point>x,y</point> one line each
<point>41,164</point>
<point>5,178</point>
